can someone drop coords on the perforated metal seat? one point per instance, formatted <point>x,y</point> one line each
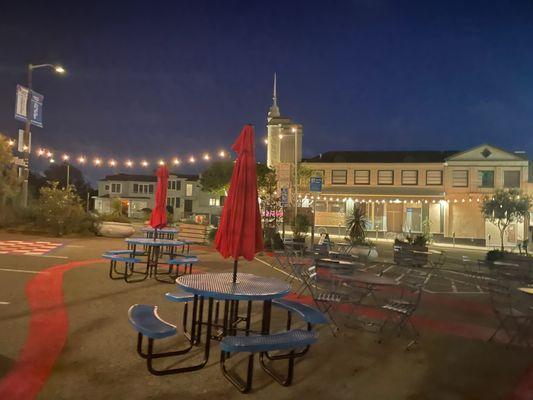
<point>309,314</point>
<point>183,260</point>
<point>179,297</point>
<point>290,340</point>
<point>146,321</point>
<point>119,258</point>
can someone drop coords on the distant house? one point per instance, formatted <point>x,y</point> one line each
<point>137,192</point>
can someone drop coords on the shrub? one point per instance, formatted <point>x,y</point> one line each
<point>272,239</point>
<point>60,212</point>
<point>356,224</point>
<point>212,234</point>
<point>300,226</point>
<point>495,255</point>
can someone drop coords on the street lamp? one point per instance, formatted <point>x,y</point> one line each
<point>26,140</point>
<point>293,130</point>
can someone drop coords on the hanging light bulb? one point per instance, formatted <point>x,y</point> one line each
<point>97,162</point>
<point>129,163</point>
<point>191,159</point>
<point>112,163</point>
<point>40,152</point>
<point>161,162</point>
<point>52,161</point>
<point>266,141</point>
<point>144,163</point>
<point>206,157</point>
<point>65,157</point>
<point>222,154</point>
<point>176,161</point>
<point>10,142</point>
<point>49,154</point>
<point>81,160</point>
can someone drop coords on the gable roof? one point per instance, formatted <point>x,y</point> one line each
<point>493,154</point>
<point>417,156</point>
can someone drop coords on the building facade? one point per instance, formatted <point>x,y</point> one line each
<point>403,192</point>
<point>137,192</point>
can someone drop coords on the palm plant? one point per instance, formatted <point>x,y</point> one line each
<point>356,224</point>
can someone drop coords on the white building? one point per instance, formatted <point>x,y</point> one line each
<point>137,192</point>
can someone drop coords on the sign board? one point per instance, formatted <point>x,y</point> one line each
<point>20,142</point>
<point>284,198</point>
<point>315,184</point>
<point>35,107</point>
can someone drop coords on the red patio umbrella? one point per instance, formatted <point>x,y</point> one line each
<point>158,219</point>
<point>240,233</point>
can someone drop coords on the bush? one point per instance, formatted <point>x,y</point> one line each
<point>300,226</point>
<point>272,239</point>
<point>495,255</point>
<point>212,234</point>
<point>60,212</point>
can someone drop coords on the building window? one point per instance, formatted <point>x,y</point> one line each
<point>434,177</point>
<point>178,202</point>
<point>385,177</point>
<point>338,177</point>
<point>318,172</point>
<point>214,202</point>
<point>116,187</point>
<point>320,206</point>
<point>178,185</point>
<point>460,178</point>
<point>511,179</point>
<point>150,188</point>
<point>135,188</point>
<point>188,190</point>
<point>170,202</point>
<point>106,187</point>
<point>409,177</point>
<point>485,179</point>
<point>361,177</point>
<point>337,207</point>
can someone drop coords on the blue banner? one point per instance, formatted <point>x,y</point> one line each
<point>315,184</point>
<point>34,108</point>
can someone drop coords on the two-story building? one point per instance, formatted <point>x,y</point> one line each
<point>402,192</point>
<point>137,193</point>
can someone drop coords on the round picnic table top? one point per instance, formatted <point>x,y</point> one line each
<point>154,242</point>
<point>220,286</point>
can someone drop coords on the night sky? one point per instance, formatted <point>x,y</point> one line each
<point>170,78</point>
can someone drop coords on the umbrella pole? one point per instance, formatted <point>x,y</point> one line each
<point>155,234</point>
<point>235,271</point>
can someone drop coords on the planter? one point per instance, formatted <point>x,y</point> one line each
<point>370,252</point>
<point>115,229</point>
<point>404,254</point>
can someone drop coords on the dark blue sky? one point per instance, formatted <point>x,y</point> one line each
<point>367,74</point>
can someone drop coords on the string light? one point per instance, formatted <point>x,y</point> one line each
<point>266,141</point>
<point>65,157</point>
<point>161,162</point>
<point>10,142</point>
<point>97,162</point>
<point>128,163</point>
<point>112,163</point>
<point>192,159</point>
<point>40,152</point>
<point>206,157</point>
<point>176,161</point>
<point>144,163</point>
<point>222,154</point>
<point>81,160</point>
<point>49,154</point>
<point>52,161</point>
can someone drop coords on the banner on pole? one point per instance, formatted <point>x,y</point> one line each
<point>284,198</point>
<point>35,106</point>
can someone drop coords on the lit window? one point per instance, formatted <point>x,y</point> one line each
<point>214,202</point>
<point>511,179</point>
<point>385,177</point>
<point>338,177</point>
<point>188,190</point>
<point>485,179</point>
<point>409,177</point>
<point>460,178</point>
<point>362,177</point>
<point>433,177</point>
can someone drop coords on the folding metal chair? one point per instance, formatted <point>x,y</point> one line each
<point>401,309</point>
<point>514,322</point>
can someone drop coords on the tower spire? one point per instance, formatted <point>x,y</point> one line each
<point>274,109</point>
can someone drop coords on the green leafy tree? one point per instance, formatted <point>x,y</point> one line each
<point>216,178</point>
<point>9,181</point>
<point>60,211</point>
<point>505,208</point>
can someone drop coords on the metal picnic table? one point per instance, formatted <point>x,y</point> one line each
<point>213,287</point>
<point>164,233</point>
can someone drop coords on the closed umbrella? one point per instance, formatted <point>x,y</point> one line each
<point>158,219</point>
<point>240,233</point>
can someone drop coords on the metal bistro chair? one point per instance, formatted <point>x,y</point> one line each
<point>400,310</point>
<point>515,323</point>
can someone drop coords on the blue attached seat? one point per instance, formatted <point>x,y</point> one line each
<point>290,340</point>
<point>309,314</point>
<point>183,260</point>
<point>120,258</point>
<point>145,320</point>
<point>179,297</point>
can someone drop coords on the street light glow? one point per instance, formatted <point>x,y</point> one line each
<point>65,157</point>
<point>59,69</point>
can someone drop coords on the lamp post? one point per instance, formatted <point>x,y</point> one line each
<point>26,142</point>
<point>294,130</point>
<point>65,160</point>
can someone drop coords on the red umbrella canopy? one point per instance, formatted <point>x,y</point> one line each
<point>240,232</point>
<point>158,218</point>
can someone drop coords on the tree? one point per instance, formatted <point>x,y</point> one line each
<point>58,173</point>
<point>504,208</point>
<point>9,181</point>
<point>356,224</point>
<point>217,176</point>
